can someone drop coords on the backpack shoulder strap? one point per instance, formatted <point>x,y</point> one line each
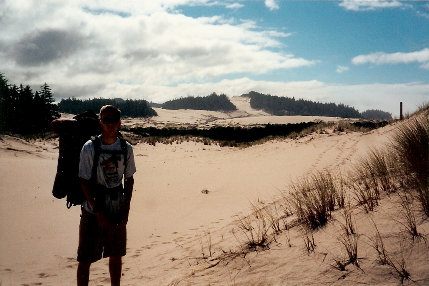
<point>124,149</point>
<point>97,150</point>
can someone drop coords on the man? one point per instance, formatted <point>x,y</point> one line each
<point>102,230</point>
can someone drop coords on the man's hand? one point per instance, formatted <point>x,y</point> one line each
<point>102,220</point>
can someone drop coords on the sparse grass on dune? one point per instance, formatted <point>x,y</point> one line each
<point>400,168</point>
<point>411,147</point>
<point>314,198</point>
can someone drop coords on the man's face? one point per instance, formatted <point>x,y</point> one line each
<point>109,124</point>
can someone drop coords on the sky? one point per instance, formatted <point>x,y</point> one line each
<point>369,54</point>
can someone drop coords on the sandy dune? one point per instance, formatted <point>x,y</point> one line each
<point>244,116</point>
<point>185,205</point>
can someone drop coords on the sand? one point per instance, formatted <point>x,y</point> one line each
<point>183,229</point>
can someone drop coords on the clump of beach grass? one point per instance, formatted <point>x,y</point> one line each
<point>385,258</point>
<point>314,198</point>
<point>349,240</point>
<point>411,145</point>
<point>409,220</point>
<point>255,228</point>
<point>373,175</point>
<point>309,242</point>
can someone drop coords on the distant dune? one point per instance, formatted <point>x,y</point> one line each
<point>244,115</point>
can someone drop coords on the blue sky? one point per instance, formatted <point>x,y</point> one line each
<point>369,54</point>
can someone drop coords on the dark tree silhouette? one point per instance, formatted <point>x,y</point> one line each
<point>129,108</point>
<point>212,102</point>
<point>376,114</point>
<point>290,106</point>
<point>23,112</point>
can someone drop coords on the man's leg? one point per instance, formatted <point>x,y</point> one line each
<point>83,273</point>
<point>90,247</point>
<point>115,268</point>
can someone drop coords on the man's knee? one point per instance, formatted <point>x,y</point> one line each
<point>84,265</point>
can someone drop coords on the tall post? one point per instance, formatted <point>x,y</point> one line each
<point>401,116</point>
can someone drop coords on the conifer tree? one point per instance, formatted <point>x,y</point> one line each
<point>4,102</point>
<point>23,112</point>
<point>49,110</point>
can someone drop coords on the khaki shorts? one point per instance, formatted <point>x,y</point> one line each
<point>96,242</point>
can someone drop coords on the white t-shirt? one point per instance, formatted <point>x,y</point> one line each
<point>110,168</point>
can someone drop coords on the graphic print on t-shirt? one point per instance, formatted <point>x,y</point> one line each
<point>109,164</point>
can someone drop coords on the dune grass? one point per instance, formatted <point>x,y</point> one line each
<point>411,147</point>
<point>397,169</point>
<point>400,167</point>
<point>314,198</point>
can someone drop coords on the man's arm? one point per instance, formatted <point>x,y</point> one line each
<point>128,193</point>
<point>85,185</point>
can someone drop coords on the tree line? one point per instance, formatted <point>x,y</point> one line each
<point>274,105</point>
<point>376,114</point>
<point>290,106</point>
<point>129,107</point>
<point>23,111</point>
<point>213,102</point>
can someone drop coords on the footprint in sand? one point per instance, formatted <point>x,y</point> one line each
<point>43,275</point>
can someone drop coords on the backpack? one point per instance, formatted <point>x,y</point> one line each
<point>73,134</point>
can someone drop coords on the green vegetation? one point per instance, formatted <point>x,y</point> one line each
<point>212,102</point>
<point>25,112</point>
<point>376,114</point>
<point>290,106</point>
<point>233,135</point>
<point>129,108</point>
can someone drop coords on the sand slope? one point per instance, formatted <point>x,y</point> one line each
<point>173,224</point>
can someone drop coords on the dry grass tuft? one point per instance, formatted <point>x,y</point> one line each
<point>411,147</point>
<point>255,228</point>
<point>314,198</point>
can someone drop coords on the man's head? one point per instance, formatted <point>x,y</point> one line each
<point>110,114</point>
<point>110,121</point>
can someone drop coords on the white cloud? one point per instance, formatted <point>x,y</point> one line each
<point>272,4</point>
<point>381,58</point>
<point>365,5</point>
<point>148,50</point>
<point>342,69</point>
<point>108,43</point>
<point>234,6</point>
